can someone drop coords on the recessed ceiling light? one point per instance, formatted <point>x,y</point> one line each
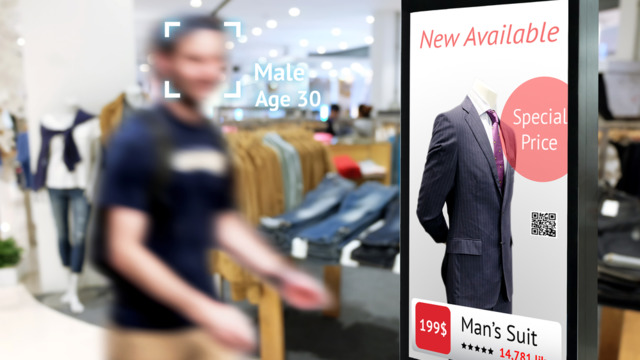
<point>273,52</point>
<point>313,74</point>
<point>321,50</point>
<point>272,24</point>
<point>336,31</point>
<point>144,67</point>
<point>370,19</point>
<point>326,65</point>
<point>196,3</point>
<point>20,41</point>
<point>294,11</point>
<point>256,31</point>
<point>304,42</point>
<point>333,73</point>
<point>368,40</point>
<point>229,45</point>
<point>343,45</point>
<point>243,39</point>
<point>356,66</point>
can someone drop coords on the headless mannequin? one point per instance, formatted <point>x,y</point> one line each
<point>485,93</point>
<point>135,96</point>
<point>63,119</point>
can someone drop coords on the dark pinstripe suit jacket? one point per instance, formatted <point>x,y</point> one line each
<point>461,172</point>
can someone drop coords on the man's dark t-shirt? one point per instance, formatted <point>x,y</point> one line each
<point>199,187</point>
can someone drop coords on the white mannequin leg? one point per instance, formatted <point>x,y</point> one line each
<point>74,301</point>
<point>66,297</point>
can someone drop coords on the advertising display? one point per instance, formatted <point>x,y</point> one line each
<point>490,235</point>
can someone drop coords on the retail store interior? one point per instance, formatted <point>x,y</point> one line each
<point>91,57</point>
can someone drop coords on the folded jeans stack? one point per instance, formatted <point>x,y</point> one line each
<point>317,205</point>
<point>360,208</point>
<point>381,246</point>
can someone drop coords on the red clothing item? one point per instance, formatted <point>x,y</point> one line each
<point>347,167</point>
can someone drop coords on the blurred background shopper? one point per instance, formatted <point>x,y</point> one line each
<point>166,194</point>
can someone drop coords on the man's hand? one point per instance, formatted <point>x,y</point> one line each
<point>302,291</point>
<point>225,324</point>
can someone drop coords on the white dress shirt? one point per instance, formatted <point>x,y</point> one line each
<point>482,107</point>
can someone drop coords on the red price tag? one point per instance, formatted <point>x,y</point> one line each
<point>433,328</point>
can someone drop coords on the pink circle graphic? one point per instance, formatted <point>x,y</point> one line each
<point>537,113</point>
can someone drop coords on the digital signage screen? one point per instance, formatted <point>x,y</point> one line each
<point>489,227</point>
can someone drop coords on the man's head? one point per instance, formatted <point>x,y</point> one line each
<point>192,58</point>
<point>335,111</point>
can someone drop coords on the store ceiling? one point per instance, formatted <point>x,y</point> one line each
<point>315,23</point>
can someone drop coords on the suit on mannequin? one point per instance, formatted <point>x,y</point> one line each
<point>462,171</point>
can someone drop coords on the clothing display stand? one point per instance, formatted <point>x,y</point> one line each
<point>618,325</point>
<point>245,286</point>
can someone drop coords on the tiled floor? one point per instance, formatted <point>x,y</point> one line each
<point>33,331</point>
<point>366,329</point>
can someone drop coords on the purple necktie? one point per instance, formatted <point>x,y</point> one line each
<point>497,147</point>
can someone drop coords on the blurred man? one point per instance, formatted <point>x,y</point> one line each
<point>165,305</point>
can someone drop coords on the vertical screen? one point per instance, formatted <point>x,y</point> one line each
<point>487,196</point>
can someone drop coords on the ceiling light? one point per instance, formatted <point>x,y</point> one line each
<point>368,40</point>
<point>273,52</point>
<point>304,42</point>
<point>321,50</point>
<point>313,74</point>
<point>144,67</point>
<point>196,3</point>
<point>336,31</point>
<point>333,73</point>
<point>243,39</point>
<point>370,19</point>
<point>20,41</point>
<point>294,11</point>
<point>272,24</point>
<point>356,66</point>
<point>229,45</point>
<point>343,45</point>
<point>326,65</point>
<point>345,71</point>
<point>256,31</point>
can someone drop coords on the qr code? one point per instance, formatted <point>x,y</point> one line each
<point>543,224</point>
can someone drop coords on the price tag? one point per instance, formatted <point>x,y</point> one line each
<point>299,248</point>
<point>610,208</point>
<point>433,324</point>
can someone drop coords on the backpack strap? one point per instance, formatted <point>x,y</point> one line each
<point>156,123</point>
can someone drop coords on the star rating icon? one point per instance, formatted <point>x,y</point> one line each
<point>477,348</point>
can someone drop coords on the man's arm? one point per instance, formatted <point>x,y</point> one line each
<point>438,179</point>
<point>242,242</point>
<point>128,255</point>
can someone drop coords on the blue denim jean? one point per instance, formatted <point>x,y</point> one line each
<point>361,208</point>
<point>317,205</point>
<point>389,234</point>
<point>71,245</point>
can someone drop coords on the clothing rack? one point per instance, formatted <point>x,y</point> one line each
<point>260,172</point>
<point>618,131</point>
